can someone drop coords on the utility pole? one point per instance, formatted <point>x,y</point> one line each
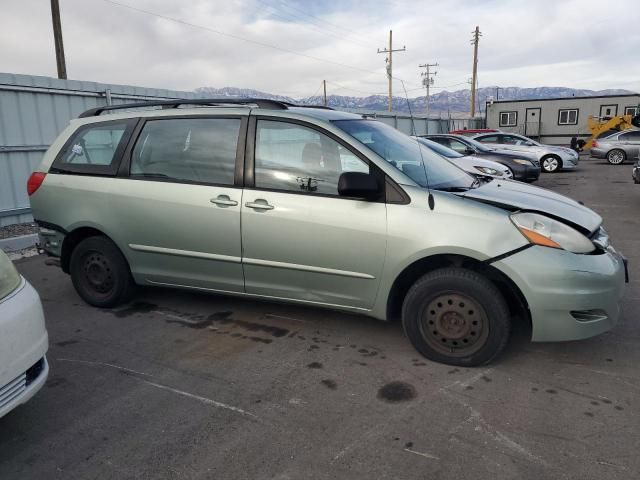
<point>474,79</point>
<point>389,51</point>
<point>427,81</point>
<point>324,96</point>
<point>497,93</point>
<point>57,37</point>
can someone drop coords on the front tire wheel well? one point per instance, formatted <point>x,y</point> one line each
<point>516,301</point>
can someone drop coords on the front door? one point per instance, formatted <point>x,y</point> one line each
<point>532,122</point>
<point>301,239</point>
<point>178,212</point>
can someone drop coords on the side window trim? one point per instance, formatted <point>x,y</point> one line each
<point>58,165</point>
<point>125,165</point>
<point>249,175</point>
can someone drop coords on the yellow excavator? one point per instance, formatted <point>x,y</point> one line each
<point>603,125</point>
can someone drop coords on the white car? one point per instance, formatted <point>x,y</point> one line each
<point>23,339</point>
<point>552,158</point>
<point>478,167</point>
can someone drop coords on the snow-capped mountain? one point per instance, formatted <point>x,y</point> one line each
<point>442,103</point>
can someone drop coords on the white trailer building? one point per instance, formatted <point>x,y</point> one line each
<point>557,120</point>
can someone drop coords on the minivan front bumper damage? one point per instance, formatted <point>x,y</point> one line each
<point>570,296</point>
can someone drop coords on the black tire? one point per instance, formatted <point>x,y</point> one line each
<point>550,164</point>
<point>616,156</point>
<point>100,273</point>
<point>456,316</point>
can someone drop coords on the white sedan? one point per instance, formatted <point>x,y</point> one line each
<point>23,339</point>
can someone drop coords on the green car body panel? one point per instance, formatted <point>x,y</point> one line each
<point>328,251</point>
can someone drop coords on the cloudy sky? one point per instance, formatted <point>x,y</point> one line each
<point>289,46</point>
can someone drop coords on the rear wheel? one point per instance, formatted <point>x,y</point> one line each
<point>616,156</point>
<point>100,273</point>
<point>551,164</point>
<point>456,316</point>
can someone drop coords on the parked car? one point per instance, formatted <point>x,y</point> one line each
<point>618,147</point>
<point>336,210</point>
<point>551,158</point>
<point>636,173</point>
<point>524,166</point>
<point>23,339</point>
<point>475,166</point>
<point>472,131</point>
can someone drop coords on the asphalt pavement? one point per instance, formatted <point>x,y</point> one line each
<point>187,386</point>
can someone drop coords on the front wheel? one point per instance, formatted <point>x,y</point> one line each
<point>551,164</point>
<point>456,316</point>
<point>616,157</point>
<point>100,273</point>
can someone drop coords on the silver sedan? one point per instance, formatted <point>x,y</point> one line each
<point>618,147</point>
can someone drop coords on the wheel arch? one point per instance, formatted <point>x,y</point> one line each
<point>518,306</point>
<point>73,238</point>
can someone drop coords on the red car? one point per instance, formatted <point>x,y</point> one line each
<point>473,131</point>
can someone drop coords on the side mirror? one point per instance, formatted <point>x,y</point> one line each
<point>358,185</point>
<point>469,151</point>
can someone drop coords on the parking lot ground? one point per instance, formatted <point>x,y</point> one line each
<point>181,385</point>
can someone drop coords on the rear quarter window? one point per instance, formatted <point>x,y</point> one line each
<point>95,148</point>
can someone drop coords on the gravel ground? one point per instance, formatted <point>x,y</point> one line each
<point>18,230</point>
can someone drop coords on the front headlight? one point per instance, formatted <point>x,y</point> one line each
<point>547,232</point>
<point>9,276</point>
<point>487,170</point>
<point>522,161</point>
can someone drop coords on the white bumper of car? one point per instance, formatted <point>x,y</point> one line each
<point>23,345</point>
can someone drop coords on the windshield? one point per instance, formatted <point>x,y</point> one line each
<point>440,149</point>
<point>407,155</point>
<point>481,147</point>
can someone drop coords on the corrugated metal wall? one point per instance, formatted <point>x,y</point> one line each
<point>34,110</point>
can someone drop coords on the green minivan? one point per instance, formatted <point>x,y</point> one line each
<point>264,199</point>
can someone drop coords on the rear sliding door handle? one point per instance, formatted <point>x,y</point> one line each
<point>224,201</point>
<point>259,205</point>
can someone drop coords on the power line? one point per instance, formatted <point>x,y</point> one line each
<point>313,25</point>
<point>237,37</point>
<point>291,7</point>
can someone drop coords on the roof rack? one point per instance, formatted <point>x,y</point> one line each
<point>206,102</point>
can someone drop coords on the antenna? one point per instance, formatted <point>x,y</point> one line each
<point>430,199</point>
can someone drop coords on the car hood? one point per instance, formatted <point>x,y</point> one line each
<point>555,148</point>
<point>472,160</point>
<point>521,196</point>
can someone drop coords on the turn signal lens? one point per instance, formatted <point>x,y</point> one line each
<point>538,239</point>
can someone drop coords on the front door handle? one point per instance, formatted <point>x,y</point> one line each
<point>259,204</point>
<point>224,201</point>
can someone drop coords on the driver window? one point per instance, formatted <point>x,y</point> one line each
<point>299,159</point>
<point>458,146</point>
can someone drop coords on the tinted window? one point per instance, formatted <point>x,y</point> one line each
<point>458,146</point>
<point>300,159</point>
<point>630,136</point>
<point>440,149</point>
<point>199,150</point>
<point>489,139</point>
<point>94,145</point>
